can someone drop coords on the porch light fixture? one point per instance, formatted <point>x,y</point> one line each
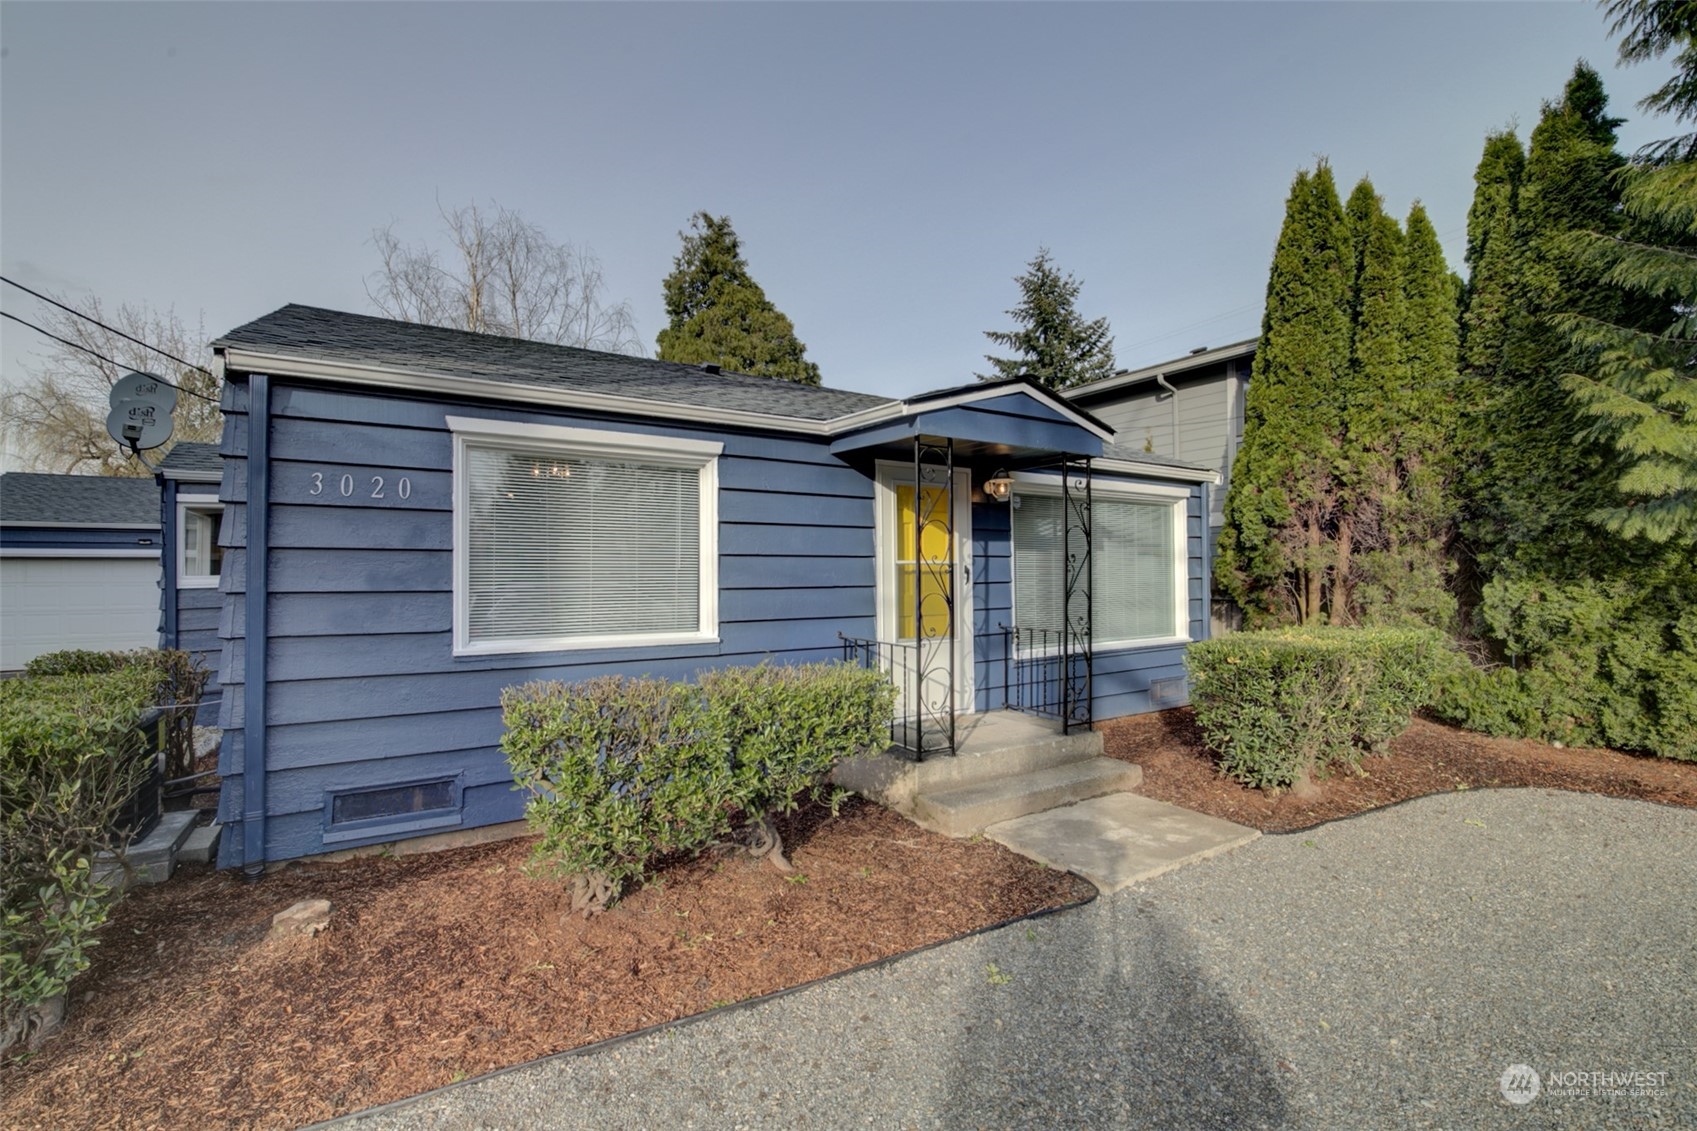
<point>999,486</point>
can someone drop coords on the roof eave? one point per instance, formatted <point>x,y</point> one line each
<point>1159,470</point>
<point>241,360</point>
<point>1177,367</point>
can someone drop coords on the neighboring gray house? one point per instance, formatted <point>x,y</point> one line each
<point>417,518</point>
<point>79,564</point>
<point>1188,409</point>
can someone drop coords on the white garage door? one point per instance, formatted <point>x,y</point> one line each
<point>51,603</point>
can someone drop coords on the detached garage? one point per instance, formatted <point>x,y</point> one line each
<point>79,564</point>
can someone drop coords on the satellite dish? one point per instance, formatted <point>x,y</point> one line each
<point>142,404</point>
<point>148,387</point>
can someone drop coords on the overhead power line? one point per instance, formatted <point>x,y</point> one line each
<point>103,357</point>
<point>109,329</point>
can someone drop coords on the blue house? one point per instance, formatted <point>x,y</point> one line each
<point>79,564</point>
<point>416,518</point>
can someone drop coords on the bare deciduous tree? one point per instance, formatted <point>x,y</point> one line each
<point>55,420</point>
<point>501,275</point>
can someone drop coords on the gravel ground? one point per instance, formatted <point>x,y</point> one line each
<point>1377,972</point>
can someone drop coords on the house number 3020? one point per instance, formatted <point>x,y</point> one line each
<point>368,486</point>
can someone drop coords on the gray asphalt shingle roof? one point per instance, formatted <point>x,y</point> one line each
<point>29,498</point>
<point>313,333</point>
<point>190,457</point>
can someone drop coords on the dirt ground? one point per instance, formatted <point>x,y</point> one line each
<point>1429,757</point>
<point>440,967</point>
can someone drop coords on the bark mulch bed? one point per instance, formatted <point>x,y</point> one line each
<point>1429,757</point>
<point>440,967</point>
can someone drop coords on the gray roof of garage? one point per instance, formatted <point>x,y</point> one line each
<point>29,498</point>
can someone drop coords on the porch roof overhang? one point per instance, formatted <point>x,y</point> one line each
<point>1002,419</point>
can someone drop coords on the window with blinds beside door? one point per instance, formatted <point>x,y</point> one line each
<point>1137,564</point>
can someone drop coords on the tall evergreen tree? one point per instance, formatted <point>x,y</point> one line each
<point>1407,574</point>
<point>1053,344</point>
<point>1492,249</point>
<point>1641,390</point>
<point>1372,393</point>
<point>1274,554</point>
<point>718,313</point>
<point>1539,478</point>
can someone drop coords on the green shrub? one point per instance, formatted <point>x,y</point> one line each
<point>624,771</point>
<point>70,757</point>
<point>1588,664</point>
<point>1287,704</point>
<point>181,681</point>
<point>787,727</point>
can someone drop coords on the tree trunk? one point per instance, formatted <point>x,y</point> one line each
<point>1314,573</point>
<point>1343,585</point>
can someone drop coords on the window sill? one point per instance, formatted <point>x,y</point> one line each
<point>584,644</point>
<point>198,582</point>
<point>381,830</point>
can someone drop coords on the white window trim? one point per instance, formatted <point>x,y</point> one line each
<point>701,455</point>
<point>186,503</point>
<point>1177,499</point>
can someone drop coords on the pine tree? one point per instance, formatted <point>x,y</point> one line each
<point>718,313</point>
<point>1274,555</point>
<point>1053,344</point>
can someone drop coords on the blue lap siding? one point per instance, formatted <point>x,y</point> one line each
<point>363,687</point>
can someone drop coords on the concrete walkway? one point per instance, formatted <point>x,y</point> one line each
<point>1120,839</point>
<point>1379,972</point>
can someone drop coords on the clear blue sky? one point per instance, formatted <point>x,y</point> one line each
<point>889,167</point>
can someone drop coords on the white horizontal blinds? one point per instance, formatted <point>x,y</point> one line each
<point>1133,595</point>
<point>1037,539</point>
<point>1133,569</point>
<point>569,546</point>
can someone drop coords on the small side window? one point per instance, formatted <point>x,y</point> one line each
<point>200,557</point>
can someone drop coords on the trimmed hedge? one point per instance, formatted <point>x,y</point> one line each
<point>1288,704</point>
<point>624,771</point>
<point>181,679</point>
<point>70,757</point>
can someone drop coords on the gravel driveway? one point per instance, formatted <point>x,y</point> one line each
<point>1378,972</point>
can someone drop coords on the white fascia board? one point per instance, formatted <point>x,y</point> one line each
<point>553,396</point>
<point>1177,367</point>
<point>79,552</point>
<point>899,409</point>
<point>193,476</point>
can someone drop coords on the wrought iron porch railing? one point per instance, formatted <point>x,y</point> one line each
<point>1046,673</point>
<point>899,660</point>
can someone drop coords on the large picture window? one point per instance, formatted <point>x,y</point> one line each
<point>577,538</point>
<point>1137,562</point>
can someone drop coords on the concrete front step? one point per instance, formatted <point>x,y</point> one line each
<point>995,745</point>
<point>969,809</point>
